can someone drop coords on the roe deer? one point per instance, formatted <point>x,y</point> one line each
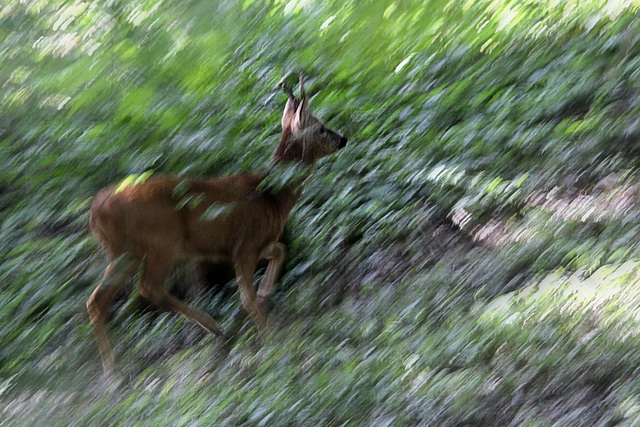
<point>145,225</point>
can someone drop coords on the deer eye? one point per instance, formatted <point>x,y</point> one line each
<point>322,131</point>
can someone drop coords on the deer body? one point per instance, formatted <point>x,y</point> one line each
<point>144,217</point>
<point>146,225</point>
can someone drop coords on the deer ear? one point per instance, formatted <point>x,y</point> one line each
<point>302,113</point>
<point>289,109</point>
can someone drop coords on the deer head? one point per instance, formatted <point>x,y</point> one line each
<point>305,138</point>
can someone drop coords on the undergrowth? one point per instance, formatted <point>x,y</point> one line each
<point>492,149</point>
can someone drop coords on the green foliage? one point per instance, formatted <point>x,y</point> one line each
<point>491,143</point>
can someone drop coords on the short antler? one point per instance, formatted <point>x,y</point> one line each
<point>303,94</point>
<point>287,89</point>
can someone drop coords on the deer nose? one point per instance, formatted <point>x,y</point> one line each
<point>343,141</point>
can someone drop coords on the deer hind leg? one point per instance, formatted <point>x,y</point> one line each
<point>275,254</point>
<point>151,287</point>
<point>100,300</point>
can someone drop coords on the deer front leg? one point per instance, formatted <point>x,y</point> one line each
<point>245,270</point>
<point>275,254</point>
<point>100,300</point>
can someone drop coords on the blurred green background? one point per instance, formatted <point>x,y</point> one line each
<point>468,259</point>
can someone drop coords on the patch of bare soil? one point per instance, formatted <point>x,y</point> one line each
<point>610,200</point>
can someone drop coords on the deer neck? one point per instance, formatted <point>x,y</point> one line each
<point>288,152</point>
